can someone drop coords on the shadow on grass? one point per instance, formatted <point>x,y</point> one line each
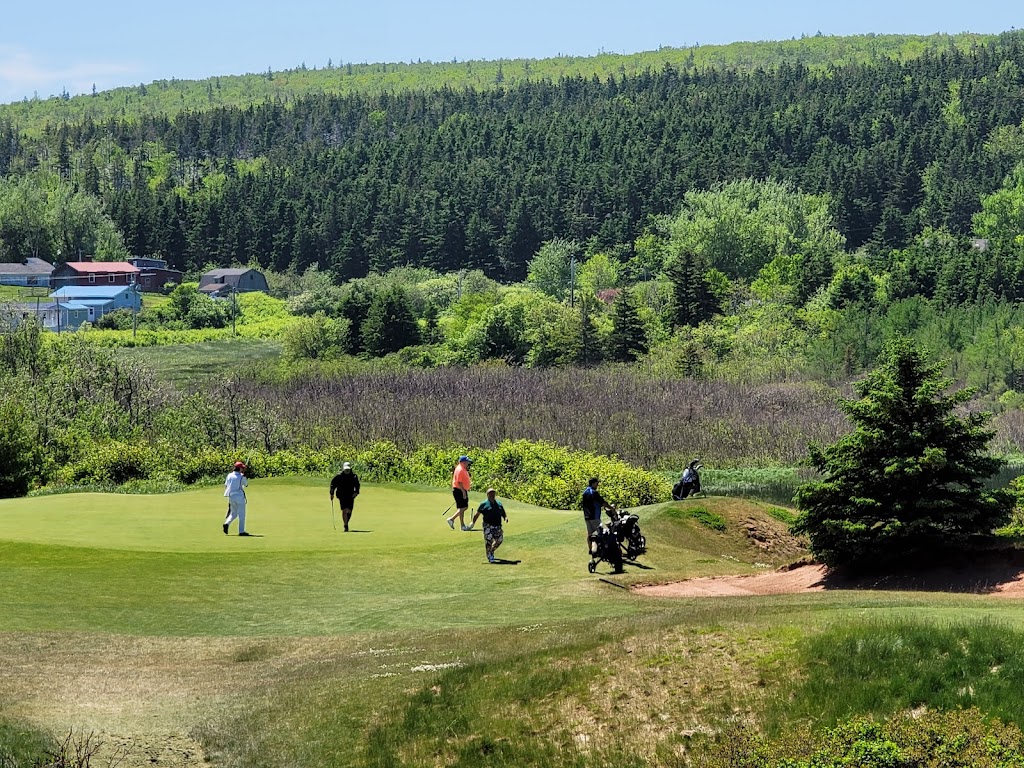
<point>983,573</point>
<point>635,564</point>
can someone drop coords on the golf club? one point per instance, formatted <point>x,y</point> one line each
<point>334,523</point>
<point>449,507</point>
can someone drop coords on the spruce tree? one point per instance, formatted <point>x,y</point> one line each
<point>692,299</point>
<point>906,486</point>
<point>390,324</point>
<point>628,339</point>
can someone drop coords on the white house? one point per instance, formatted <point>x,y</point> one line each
<point>98,300</point>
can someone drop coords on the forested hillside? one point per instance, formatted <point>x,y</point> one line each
<point>473,178</point>
<point>170,96</point>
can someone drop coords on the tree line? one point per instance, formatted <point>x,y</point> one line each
<point>480,179</point>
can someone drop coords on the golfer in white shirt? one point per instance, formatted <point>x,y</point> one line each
<point>234,489</point>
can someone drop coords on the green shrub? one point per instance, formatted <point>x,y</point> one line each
<point>537,473</point>
<point>932,739</point>
<point>17,451</point>
<point>384,462</point>
<point>114,462</point>
<point>782,515</point>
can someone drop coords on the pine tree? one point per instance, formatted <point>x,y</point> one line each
<point>906,486</point>
<point>628,339</point>
<point>692,299</point>
<point>390,324</point>
<point>355,307</point>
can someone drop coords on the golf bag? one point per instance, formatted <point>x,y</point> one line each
<point>626,528</point>
<point>688,484</point>
<point>617,541</point>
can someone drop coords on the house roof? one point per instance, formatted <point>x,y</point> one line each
<point>106,267</point>
<point>31,266</point>
<point>214,287</point>
<point>227,272</point>
<point>89,292</point>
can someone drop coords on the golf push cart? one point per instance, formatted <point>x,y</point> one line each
<point>617,541</point>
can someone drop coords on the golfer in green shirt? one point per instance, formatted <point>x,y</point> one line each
<point>493,513</point>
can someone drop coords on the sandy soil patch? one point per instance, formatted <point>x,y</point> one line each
<point>1001,574</point>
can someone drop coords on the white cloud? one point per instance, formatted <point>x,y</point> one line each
<point>23,74</point>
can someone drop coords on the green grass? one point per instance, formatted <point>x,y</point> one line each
<point>20,746</point>
<point>402,646</point>
<point>159,564</point>
<point>880,667</point>
<point>181,363</point>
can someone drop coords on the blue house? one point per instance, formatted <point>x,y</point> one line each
<point>95,300</point>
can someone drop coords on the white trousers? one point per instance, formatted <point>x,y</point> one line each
<point>236,508</point>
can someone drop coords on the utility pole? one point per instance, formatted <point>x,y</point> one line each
<point>234,309</point>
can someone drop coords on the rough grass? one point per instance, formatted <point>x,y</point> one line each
<point>880,667</point>
<point>185,363</point>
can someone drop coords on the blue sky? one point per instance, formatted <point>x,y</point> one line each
<point>72,45</point>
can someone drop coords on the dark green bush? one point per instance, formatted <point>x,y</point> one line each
<point>17,451</point>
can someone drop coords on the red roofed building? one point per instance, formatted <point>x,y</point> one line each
<point>95,273</point>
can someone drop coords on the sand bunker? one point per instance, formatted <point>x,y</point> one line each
<point>1002,576</point>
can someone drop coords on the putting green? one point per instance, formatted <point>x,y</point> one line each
<point>289,514</point>
<point>161,565</point>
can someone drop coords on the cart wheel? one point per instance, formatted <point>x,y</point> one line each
<point>591,566</point>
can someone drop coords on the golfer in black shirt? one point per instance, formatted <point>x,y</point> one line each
<point>346,486</point>
<point>493,513</point>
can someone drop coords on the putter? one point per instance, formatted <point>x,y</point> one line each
<point>445,513</point>
<point>334,523</point>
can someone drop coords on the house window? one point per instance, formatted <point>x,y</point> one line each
<point>112,278</point>
<point>92,278</point>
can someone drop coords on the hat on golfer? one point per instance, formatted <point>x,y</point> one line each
<point>345,466</point>
<point>239,465</point>
<point>466,459</point>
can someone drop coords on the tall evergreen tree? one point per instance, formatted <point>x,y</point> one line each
<point>390,324</point>
<point>906,485</point>
<point>693,301</point>
<point>628,338</point>
<point>354,307</point>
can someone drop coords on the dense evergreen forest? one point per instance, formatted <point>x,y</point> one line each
<point>170,96</point>
<point>480,178</point>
